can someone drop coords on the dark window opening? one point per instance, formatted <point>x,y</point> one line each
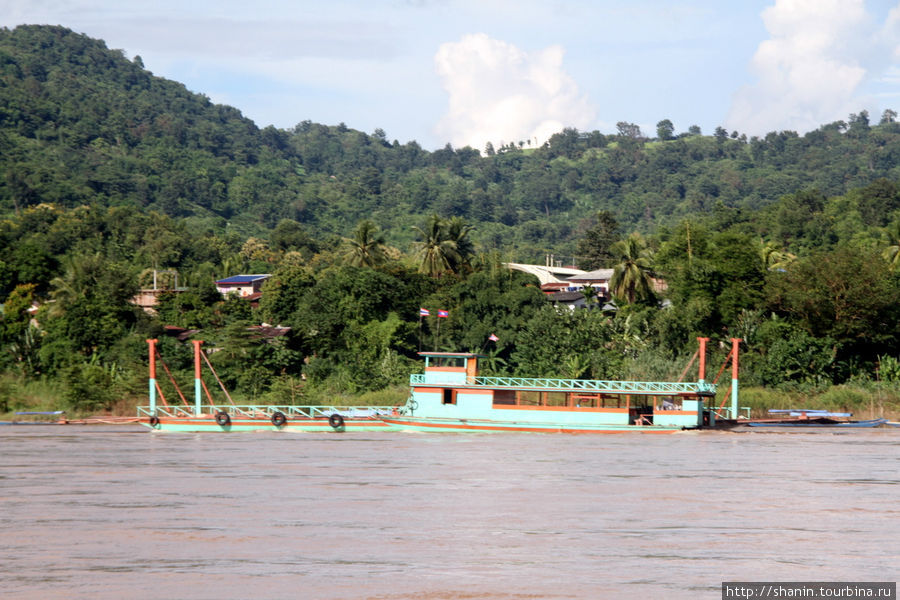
<point>504,397</point>
<point>449,396</point>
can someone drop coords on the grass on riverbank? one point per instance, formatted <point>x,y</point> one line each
<point>867,400</point>
<point>18,394</point>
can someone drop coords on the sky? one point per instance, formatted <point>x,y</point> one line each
<point>468,72</point>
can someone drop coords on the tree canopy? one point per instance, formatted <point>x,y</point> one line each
<point>112,179</point>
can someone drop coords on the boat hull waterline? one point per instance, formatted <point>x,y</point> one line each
<point>209,424</point>
<point>470,425</point>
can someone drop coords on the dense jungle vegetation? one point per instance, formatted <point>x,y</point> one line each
<point>108,173</point>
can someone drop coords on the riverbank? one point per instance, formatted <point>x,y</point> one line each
<point>866,400</point>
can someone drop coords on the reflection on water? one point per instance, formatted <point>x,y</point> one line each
<point>107,513</point>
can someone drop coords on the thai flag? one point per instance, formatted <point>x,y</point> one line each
<point>443,313</point>
<point>423,312</point>
<point>493,338</point>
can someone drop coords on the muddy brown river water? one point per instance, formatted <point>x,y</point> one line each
<point>106,512</point>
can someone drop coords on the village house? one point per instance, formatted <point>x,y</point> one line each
<point>163,282</point>
<point>244,286</point>
<point>551,278</point>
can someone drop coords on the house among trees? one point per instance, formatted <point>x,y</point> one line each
<point>598,279</point>
<point>552,278</point>
<point>163,282</point>
<point>245,286</point>
<point>571,300</point>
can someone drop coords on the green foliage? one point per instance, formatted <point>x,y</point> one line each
<point>581,343</point>
<point>444,246</point>
<point>109,175</point>
<point>632,274</point>
<point>366,249</point>
<point>711,277</point>
<point>493,301</point>
<point>91,387</point>
<point>843,295</point>
<point>888,369</point>
<point>798,362</point>
<point>595,248</point>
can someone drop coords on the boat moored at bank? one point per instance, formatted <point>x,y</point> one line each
<point>206,415</point>
<point>451,395</point>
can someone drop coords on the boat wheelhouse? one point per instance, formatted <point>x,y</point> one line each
<point>451,395</point>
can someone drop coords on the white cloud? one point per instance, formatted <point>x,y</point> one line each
<point>810,71</point>
<point>500,93</point>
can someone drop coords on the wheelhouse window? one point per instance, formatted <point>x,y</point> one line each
<point>458,362</point>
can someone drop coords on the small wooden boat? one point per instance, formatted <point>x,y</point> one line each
<point>42,417</point>
<point>820,423</point>
<point>813,418</point>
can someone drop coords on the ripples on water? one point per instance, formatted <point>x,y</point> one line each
<point>108,513</point>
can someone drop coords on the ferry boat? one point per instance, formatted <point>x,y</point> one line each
<point>205,415</point>
<point>450,395</point>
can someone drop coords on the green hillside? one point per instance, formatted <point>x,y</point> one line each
<point>81,124</point>
<point>108,173</point>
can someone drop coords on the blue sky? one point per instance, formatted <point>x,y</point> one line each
<point>472,71</point>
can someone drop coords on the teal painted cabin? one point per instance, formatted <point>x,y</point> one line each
<point>450,395</point>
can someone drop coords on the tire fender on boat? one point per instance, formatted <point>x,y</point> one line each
<point>278,418</point>
<point>336,421</point>
<point>154,421</point>
<point>222,419</point>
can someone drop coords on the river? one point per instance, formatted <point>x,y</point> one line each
<point>112,512</point>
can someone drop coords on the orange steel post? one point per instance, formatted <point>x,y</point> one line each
<point>735,343</point>
<point>198,397</point>
<point>702,370</point>
<point>152,348</point>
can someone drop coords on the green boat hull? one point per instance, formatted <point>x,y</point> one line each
<point>241,418</point>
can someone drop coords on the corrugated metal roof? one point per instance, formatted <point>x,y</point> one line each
<point>591,276</point>
<point>242,279</point>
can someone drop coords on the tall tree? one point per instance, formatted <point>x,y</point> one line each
<point>594,250</point>
<point>665,129</point>
<point>892,253</point>
<point>843,295</point>
<point>774,257</point>
<point>366,249</point>
<point>629,130</point>
<point>457,230</point>
<point>632,278</point>
<point>435,252</point>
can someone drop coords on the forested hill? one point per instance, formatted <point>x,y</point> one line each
<point>81,124</point>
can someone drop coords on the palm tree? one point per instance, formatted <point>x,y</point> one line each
<point>632,275</point>
<point>892,252</point>
<point>81,275</point>
<point>366,249</point>
<point>437,253</point>
<point>590,295</point>
<point>774,258</point>
<point>457,230</point>
<point>492,363</point>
